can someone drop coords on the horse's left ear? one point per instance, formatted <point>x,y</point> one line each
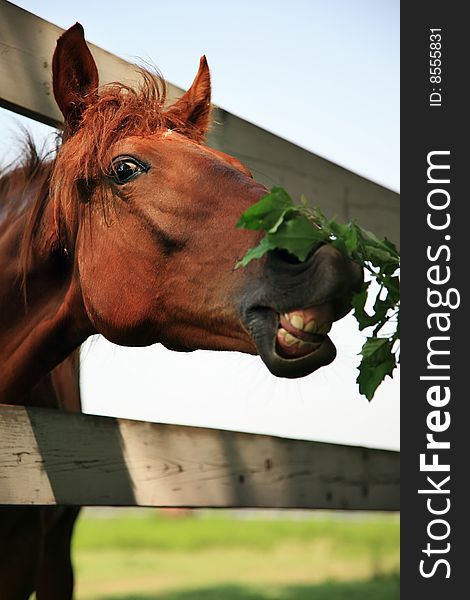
<point>74,75</point>
<point>194,106</point>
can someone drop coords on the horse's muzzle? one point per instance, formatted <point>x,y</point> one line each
<point>290,309</point>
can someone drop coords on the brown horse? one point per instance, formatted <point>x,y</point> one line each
<point>130,232</point>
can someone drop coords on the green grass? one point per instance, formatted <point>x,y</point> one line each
<point>385,588</point>
<point>215,529</point>
<point>147,556</point>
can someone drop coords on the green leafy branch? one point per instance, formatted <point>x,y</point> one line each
<point>298,228</point>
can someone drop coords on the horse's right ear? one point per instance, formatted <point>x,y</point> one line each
<point>74,76</point>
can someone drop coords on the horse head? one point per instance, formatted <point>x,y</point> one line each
<point>145,214</point>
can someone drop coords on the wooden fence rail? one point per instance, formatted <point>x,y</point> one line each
<point>49,457</point>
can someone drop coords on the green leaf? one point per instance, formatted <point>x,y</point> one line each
<point>370,378</point>
<point>268,213</point>
<point>297,236</point>
<point>375,350</point>
<point>393,286</point>
<point>351,238</point>
<point>377,362</point>
<point>396,335</point>
<point>372,240</point>
<point>378,256</point>
<point>257,252</point>
<point>391,248</point>
<point>358,302</point>
<point>340,245</point>
<point>337,229</point>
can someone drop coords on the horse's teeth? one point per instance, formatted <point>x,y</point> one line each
<point>297,322</point>
<point>282,331</point>
<point>290,340</point>
<point>311,326</point>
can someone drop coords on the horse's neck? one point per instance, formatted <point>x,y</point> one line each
<point>40,324</point>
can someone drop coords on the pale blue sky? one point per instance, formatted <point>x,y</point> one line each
<point>324,75</point>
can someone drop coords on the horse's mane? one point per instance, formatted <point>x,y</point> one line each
<point>16,176</point>
<point>82,158</point>
<point>24,188</point>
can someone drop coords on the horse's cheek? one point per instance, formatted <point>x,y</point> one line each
<point>114,296</point>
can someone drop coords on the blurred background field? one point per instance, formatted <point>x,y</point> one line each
<point>128,554</point>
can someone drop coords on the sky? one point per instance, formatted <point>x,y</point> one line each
<point>324,75</point>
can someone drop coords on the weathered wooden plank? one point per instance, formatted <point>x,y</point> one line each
<point>26,46</point>
<point>49,457</point>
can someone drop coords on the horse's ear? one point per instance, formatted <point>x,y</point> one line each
<point>74,75</point>
<point>194,106</point>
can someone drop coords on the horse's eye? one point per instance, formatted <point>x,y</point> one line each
<point>126,168</point>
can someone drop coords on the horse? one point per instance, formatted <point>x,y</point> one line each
<point>129,231</point>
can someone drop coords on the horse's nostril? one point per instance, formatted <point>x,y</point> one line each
<point>286,256</point>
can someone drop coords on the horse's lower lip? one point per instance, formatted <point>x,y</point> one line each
<point>263,324</point>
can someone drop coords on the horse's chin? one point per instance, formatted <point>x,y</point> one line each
<point>287,351</point>
<point>178,348</point>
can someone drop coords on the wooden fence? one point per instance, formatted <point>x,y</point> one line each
<point>49,457</point>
